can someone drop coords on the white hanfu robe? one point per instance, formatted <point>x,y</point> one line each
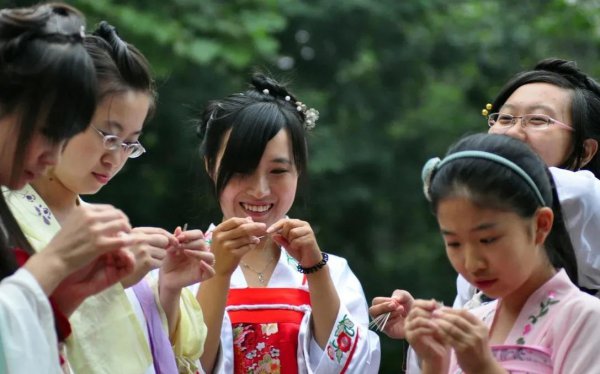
<point>352,348</point>
<point>28,340</point>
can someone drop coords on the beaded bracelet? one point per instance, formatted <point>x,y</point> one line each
<point>315,268</point>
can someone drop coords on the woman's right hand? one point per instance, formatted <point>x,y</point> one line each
<point>231,240</point>
<point>90,231</point>
<point>398,305</point>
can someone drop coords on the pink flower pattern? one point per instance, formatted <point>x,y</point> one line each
<point>534,318</point>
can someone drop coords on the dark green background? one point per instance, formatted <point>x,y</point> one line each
<point>395,82</point>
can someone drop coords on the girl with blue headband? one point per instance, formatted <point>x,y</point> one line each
<point>502,226</point>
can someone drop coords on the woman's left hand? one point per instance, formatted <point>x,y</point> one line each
<point>189,263</point>
<point>298,238</point>
<point>469,338</point>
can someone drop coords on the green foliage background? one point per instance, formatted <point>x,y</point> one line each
<point>396,83</point>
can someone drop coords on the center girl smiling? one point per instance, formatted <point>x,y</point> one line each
<point>276,303</point>
<point>268,192</point>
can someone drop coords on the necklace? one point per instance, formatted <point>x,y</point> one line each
<point>260,274</point>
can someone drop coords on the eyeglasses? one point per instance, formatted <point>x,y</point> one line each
<point>112,143</point>
<point>534,122</point>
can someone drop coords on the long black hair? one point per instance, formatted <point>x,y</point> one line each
<point>490,184</point>
<point>47,81</point>
<point>585,104</point>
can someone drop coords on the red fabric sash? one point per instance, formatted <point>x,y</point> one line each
<point>283,339</point>
<point>257,296</point>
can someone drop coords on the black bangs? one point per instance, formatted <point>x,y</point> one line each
<point>68,86</point>
<point>54,91</point>
<point>256,125</point>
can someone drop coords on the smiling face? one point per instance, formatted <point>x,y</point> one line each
<point>553,144</point>
<point>267,193</point>
<point>86,166</point>
<point>498,252</point>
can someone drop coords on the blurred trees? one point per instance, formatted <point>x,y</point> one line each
<point>396,83</point>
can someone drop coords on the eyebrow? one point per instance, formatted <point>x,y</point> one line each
<point>119,127</point>
<point>533,107</point>
<point>481,227</point>
<point>281,160</point>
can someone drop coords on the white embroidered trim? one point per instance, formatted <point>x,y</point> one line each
<point>297,308</point>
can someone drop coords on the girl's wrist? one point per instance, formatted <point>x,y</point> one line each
<point>167,289</point>
<point>314,265</point>
<point>49,270</point>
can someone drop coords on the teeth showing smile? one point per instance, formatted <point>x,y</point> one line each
<point>256,208</point>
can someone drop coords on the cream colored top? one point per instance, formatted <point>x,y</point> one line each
<point>107,337</point>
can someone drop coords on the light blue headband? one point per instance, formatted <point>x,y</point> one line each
<point>434,164</point>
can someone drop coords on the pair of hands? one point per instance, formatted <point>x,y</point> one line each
<point>432,330</point>
<point>97,248</point>
<point>235,237</point>
<point>86,256</point>
<point>183,257</point>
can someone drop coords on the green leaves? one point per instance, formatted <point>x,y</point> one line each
<point>236,34</point>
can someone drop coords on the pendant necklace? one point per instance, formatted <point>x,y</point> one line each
<point>260,274</point>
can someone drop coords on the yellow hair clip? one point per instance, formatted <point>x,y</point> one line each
<point>486,110</point>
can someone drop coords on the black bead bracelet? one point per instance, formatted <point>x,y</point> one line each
<point>315,268</point>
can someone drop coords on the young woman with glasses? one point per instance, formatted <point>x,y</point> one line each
<point>48,95</point>
<point>121,331</point>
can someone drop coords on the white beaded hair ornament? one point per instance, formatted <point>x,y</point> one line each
<point>311,115</point>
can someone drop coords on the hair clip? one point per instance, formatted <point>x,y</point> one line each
<point>427,175</point>
<point>82,31</point>
<point>287,98</point>
<point>266,91</point>
<point>311,116</point>
<point>485,111</point>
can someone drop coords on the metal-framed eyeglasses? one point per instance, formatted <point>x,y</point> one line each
<point>112,143</point>
<point>535,122</point>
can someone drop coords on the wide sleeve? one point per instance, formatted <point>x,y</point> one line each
<point>351,347</point>
<point>576,335</point>
<point>28,341</point>
<point>190,333</point>
<point>579,194</point>
<point>188,338</point>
